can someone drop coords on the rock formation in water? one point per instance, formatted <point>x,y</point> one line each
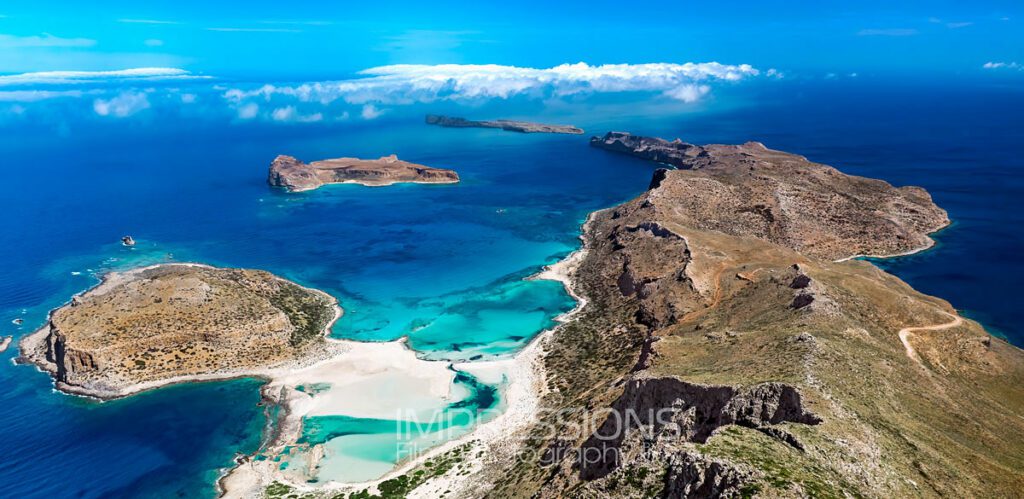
<point>296,176</point>
<point>726,351</point>
<point>509,125</point>
<point>147,327</point>
<point>4,343</point>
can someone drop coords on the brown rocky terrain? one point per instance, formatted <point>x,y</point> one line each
<point>750,190</point>
<point>756,364</point>
<point>146,327</point>
<point>296,176</point>
<point>508,125</point>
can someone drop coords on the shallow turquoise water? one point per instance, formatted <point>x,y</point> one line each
<point>442,264</point>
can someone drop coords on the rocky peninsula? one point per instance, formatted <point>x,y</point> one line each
<point>674,153</point>
<point>157,325</point>
<point>723,300</point>
<point>508,125</point>
<point>296,176</point>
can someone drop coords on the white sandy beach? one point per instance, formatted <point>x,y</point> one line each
<point>363,365</point>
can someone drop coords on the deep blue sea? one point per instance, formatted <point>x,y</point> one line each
<point>443,265</point>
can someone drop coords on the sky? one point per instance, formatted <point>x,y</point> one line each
<point>274,40</point>
<point>62,62</point>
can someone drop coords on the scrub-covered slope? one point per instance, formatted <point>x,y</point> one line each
<point>724,351</point>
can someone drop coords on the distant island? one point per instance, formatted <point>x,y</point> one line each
<point>296,176</point>
<point>509,125</point>
<point>152,326</point>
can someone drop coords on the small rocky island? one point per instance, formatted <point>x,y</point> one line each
<point>296,176</point>
<point>157,325</point>
<point>508,125</point>
<point>4,343</point>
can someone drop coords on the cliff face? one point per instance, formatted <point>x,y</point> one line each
<point>296,176</point>
<point>152,325</point>
<point>676,153</point>
<point>755,364</point>
<point>508,125</point>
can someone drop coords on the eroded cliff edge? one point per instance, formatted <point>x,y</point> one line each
<point>716,304</point>
<point>148,327</point>
<point>297,176</point>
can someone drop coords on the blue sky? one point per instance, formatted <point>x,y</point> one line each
<point>310,40</point>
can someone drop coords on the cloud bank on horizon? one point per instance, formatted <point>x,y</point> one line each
<point>410,83</point>
<point>97,77</point>
<point>122,92</point>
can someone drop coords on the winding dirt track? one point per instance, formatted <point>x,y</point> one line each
<point>907,331</point>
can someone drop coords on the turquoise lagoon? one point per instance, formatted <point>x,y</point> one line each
<point>442,265</point>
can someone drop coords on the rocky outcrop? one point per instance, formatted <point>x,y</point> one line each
<point>74,367</point>
<point>693,476</point>
<point>508,125</point>
<point>146,327</point>
<point>750,190</point>
<point>4,343</point>
<point>676,153</point>
<point>296,176</point>
<point>674,409</point>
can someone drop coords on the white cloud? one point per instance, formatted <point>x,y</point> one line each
<point>72,77</point>
<point>122,105</point>
<point>283,113</point>
<point>189,98</point>
<point>407,84</point>
<point>888,32</point>
<point>688,93</point>
<point>289,114</point>
<point>153,42</point>
<point>950,25</point>
<point>248,111</point>
<point>1003,65</point>
<point>35,95</point>
<point>371,112</point>
<point>44,40</point>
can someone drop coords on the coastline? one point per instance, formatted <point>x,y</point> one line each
<point>29,345</point>
<point>927,246</point>
<point>370,184</point>
<point>525,385</point>
<point>522,373</point>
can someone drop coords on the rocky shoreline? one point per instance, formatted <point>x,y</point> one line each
<point>785,367</point>
<point>507,125</point>
<point>296,176</point>
<point>48,349</point>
